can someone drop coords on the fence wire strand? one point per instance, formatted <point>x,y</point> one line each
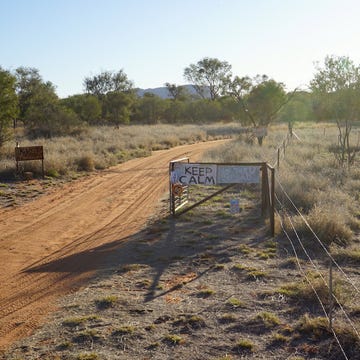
<point>319,272</point>
<point>282,206</point>
<point>312,287</point>
<point>316,236</point>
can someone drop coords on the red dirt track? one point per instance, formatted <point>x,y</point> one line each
<point>50,246</point>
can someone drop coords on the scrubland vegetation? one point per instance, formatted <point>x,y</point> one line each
<point>211,284</point>
<point>324,190</point>
<point>104,146</point>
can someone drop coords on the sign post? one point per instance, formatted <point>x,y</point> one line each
<point>26,153</point>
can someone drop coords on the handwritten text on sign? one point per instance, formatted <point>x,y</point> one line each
<point>194,174</point>
<point>211,174</point>
<point>29,153</point>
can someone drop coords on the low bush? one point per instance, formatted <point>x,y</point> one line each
<point>303,292</point>
<point>328,224</point>
<point>85,163</point>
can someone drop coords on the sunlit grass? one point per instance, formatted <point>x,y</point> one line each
<point>326,194</point>
<point>103,146</point>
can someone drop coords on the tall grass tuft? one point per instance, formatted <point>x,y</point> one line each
<point>329,226</point>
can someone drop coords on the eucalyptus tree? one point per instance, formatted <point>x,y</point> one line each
<point>299,109</point>
<point>336,86</point>
<point>106,82</point>
<point>150,109</point>
<point>40,108</point>
<point>265,100</point>
<point>336,89</point>
<point>8,104</point>
<point>119,107</point>
<point>261,99</point>
<point>86,106</point>
<point>210,77</point>
<point>115,93</point>
<point>176,92</point>
<point>28,84</point>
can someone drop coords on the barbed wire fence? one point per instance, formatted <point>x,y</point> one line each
<point>285,215</point>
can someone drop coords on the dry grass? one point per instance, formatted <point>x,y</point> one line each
<point>101,147</point>
<point>346,256</point>
<point>328,224</point>
<point>302,292</point>
<point>325,193</point>
<point>197,304</point>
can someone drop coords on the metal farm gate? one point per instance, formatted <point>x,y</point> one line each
<point>183,174</point>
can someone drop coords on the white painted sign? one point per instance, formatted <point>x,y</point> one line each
<point>236,174</point>
<point>194,174</point>
<point>211,174</point>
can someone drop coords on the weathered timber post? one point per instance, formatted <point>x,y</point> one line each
<point>331,296</point>
<point>272,203</point>
<point>278,158</point>
<point>264,191</point>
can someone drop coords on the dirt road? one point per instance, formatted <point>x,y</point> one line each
<point>50,246</point>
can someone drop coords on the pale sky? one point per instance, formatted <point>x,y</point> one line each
<point>154,40</point>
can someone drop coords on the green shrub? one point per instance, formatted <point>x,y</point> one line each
<point>268,319</point>
<point>173,339</point>
<point>76,321</point>
<point>106,302</point>
<point>244,345</point>
<point>304,292</point>
<point>124,330</point>
<point>51,172</point>
<point>235,303</point>
<point>314,327</point>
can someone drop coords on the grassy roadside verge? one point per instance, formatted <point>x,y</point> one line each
<point>97,148</point>
<point>175,290</point>
<point>68,158</point>
<point>207,285</point>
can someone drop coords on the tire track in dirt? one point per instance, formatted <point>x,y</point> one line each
<point>50,246</point>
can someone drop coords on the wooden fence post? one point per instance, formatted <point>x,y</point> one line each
<point>272,202</point>
<point>331,296</point>
<point>172,207</point>
<point>264,191</point>
<point>278,158</point>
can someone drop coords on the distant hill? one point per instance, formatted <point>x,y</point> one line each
<point>163,91</point>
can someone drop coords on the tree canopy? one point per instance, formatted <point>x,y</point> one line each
<point>336,89</point>
<point>209,75</point>
<point>261,98</point>
<point>265,100</point>
<point>107,81</point>
<point>87,107</point>
<point>110,99</point>
<point>8,104</point>
<point>176,92</point>
<point>40,108</point>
